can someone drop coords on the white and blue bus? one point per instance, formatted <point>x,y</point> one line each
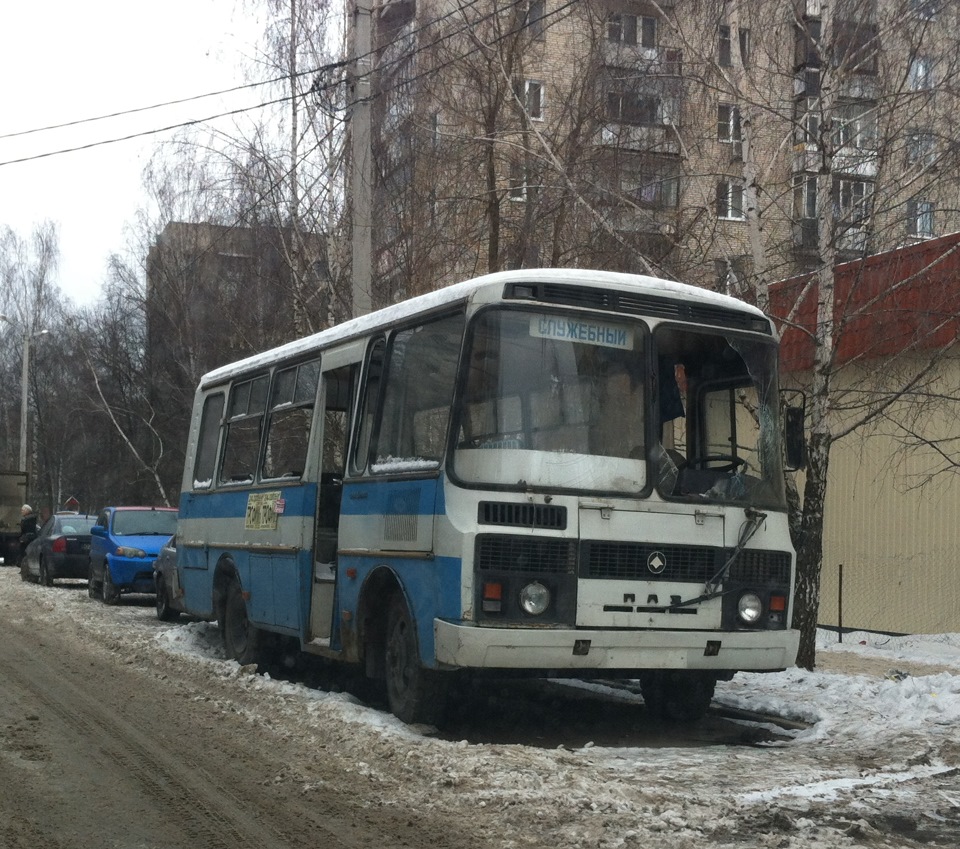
<point>541,473</point>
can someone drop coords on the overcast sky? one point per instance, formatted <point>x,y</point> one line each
<point>64,61</point>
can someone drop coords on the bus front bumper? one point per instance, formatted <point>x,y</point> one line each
<point>473,647</point>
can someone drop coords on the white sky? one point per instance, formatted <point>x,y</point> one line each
<point>65,61</point>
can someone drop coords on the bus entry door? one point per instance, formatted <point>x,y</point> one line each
<point>336,392</point>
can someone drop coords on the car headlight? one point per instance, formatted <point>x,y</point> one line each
<point>749,608</point>
<point>534,598</point>
<point>126,551</point>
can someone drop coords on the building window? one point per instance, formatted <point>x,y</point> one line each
<point>725,57</point>
<point>808,125</point>
<point>651,187</point>
<point>533,99</point>
<point>920,221</point>
<point>855,47</point>
<point>856,126</point>
<point>627,107</point>
<point>535,24</point>
<point>632,30</point>
<point>920,77</point>
<point>728,123</point>
<point>805,195</point>
<point>518,182</point>
<point>921,148</point>
<point>730,200</point>
<point>852,201</point>
<point>745,47</point>
<point>925,9</point>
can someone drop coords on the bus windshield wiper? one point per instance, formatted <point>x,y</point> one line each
<point>755,518</point>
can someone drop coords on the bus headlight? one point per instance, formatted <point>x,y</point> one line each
<point>534,598</point>
<point>749,608</point>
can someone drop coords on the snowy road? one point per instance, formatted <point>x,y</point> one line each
<point>120,732</point>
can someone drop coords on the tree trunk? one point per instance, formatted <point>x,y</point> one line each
<point>810,550</point>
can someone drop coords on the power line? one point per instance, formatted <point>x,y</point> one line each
<point>163,105</point>
<point>316,72</point>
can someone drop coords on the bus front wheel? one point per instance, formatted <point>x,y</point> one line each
<point>677,695</point>
<point>415,694</point>
<point>241,639</point>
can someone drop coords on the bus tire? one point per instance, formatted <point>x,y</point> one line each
<point>416,695</point>
<point>241,639</point>
<point>677,695</point>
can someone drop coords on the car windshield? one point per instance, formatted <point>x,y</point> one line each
<point>74,524</point>
<point>144,522</point>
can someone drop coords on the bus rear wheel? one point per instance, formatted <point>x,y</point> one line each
<point>677,695</point>
<point>415,694</point>
<point>241,639</point>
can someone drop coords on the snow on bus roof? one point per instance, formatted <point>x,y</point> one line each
<point>460,291</point>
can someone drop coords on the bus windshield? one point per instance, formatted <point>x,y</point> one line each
<point>587,403</point>
<point>561,396</point>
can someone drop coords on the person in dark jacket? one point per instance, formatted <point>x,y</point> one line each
<point>28,527</point>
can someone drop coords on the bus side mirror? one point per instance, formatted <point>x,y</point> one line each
<point>793,438</point>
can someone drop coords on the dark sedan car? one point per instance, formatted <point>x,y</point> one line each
<point>61,549</point>
<point>167,578</point>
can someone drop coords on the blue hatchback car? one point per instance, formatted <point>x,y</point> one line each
<point>124,543</point>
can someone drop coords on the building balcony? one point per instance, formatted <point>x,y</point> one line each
<point>664,62</point>
<point>653,139</point>
<point>850,160</point>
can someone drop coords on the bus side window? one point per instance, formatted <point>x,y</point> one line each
<point>337,386</point>
<point>207,442</point>
<point>417,396</point>
<point>369,402</point>
<point>291,416</point>
<point>248,401</point>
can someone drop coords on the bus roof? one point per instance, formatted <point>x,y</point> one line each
<point>492,285</point>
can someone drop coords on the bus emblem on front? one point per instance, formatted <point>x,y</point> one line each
<point>657,562</point>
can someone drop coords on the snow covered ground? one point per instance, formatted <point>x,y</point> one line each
<point>874,762</point>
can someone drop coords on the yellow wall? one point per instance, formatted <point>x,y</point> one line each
<point>899,543</point>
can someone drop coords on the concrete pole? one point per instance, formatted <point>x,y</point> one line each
<point>362,172</point>
<point>24,393</point>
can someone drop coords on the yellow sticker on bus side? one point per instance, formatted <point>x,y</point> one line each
<point>262,511</point>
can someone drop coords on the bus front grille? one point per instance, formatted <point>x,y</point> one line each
<point>548,516</point>
<point>640,561</point>
<point>525,554</point>
<point>694,564</point>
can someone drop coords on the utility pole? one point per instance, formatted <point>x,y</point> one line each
<point>361,156</point>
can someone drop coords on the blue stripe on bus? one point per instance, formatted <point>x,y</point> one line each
<point>299,500</point>
<point>370,497</point>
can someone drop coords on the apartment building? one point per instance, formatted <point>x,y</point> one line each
<point>216,294</point>
<point>711,141</point>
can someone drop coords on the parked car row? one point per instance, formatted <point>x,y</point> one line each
<point>114,550</point>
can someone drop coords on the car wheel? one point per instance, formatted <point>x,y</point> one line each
<point>108,591</point>
<point>165,613</point>
<point>415,694</point>
<point>45,578</point>
<point>242,640</point>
